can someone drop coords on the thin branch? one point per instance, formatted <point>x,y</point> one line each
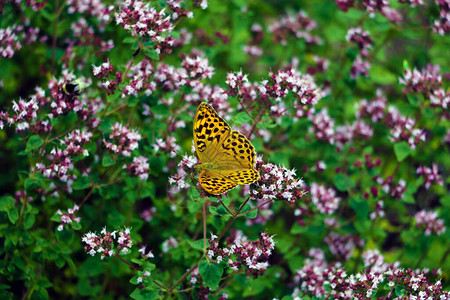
<point>185,274</point>
<point>257,207</point>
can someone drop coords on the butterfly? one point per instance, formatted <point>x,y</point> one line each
<point>227,157</point>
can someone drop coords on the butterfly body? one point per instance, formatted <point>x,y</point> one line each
<point>227,156</point>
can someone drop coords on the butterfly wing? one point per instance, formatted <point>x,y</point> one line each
<point>244,176</point>
<point>210,131</point>
<point>230,152</point>
<point>236,152</point>
<point>215,183</point>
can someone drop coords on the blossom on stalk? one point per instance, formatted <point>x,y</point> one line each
<point>138,168</point>
<point>424,81</point>
<point>169,146</point>
<point>240,253</point>
<point>430,175</point>
<point>324,199</point>
<point>341,246</point>
<point>359,67</point>
<point>362,38</point>
<point>68,217</point>
<point>296,26</point>
<point>277,183</point>
<point>429,222</point>
<point>108,243</point>
<point>123,140</point>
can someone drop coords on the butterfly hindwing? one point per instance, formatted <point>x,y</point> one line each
<point>243,176</point>
<point>215,183</point>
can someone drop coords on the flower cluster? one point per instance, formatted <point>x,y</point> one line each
<point>359,67</point>
<point>148,214</point>
<point>171,242</point>
<point>429,222</point>
<point>324,199</point>
<point>277,183</point>
<point>68,217</point>
<point>342,246</point>
<point>361,38</point>
<point>25,114</point>
<point>105,243</point>
<point>138,168</point>
<point>378,212</point>
<point>240,253</point>
<point>321,65</point>
<point>298,26</point>
<point>168,146</point>
<point>123,140</point>
<point>86,37</point>
<point>373,6</point>
<point>142,20</point>
<point>95,8</point>
<point>424,81</point>
<point>430,175</point>
<point>401,128</point>
<point>178,181</point>
<point>74,142</point>
<point>316,275</point>
<point>374,109</point>
<point>442,26</point>
<point>102,71</point>
<point>61,159</point>
<point>320,279</point>
<point>197,68</point>
<point>11,37</point>
<point>252,48</point>
<point>111,85</point>
<point>380,275</point>
<point>62,102</point>
<point>302,87</point>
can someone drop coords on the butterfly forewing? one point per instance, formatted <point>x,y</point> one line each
<point>210,130</point>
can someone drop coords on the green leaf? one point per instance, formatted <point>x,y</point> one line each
<point>32,184</point>
<point>39,294</point>
<point>145,294</point>
<point>219,211</point>
<point>402,150</point>
<point>340,182</point>
<point>28,221</point>
<point>160,110</point>
<point>241,118</point>
<point>198,244</point>
<point>65,236</point>
<point>108,161</point>
<point>251,215</point>
<point>34,142</point>
<point>13,215</point>
<point>133,101</point>
<point>211,274</point>
<point>405,64</point>
<point>151,53</point>
<point>361,208</point>
<point>81,183</point>
<point>399,290</point>
<point>413,100</point>
<point>6,203</point>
